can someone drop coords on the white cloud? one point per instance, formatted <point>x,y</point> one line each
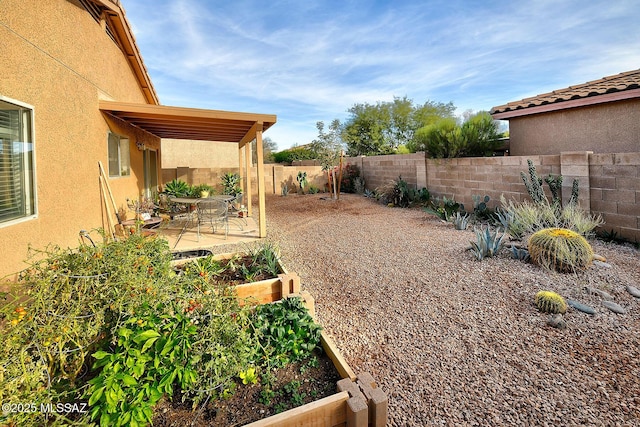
<point>308,62</point>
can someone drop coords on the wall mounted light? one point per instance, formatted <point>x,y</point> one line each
<point>140,145</point>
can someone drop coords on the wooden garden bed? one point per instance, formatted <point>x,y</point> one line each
<point>358,402</point>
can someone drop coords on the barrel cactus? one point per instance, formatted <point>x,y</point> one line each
<point>560,249</point>
<point>550,302</point>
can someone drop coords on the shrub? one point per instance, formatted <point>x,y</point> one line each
<point>147,332</point>
<point>560,249</point>
<point>396,193</point>
<point>287,329</point>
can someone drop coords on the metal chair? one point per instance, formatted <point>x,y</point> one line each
<point>237,211</point>
<point>213,212</point>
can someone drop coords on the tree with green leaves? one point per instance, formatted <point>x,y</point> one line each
<point>477,136</point>
<point>388,127</point>
<point>269,147</point>
<point>328,144</point>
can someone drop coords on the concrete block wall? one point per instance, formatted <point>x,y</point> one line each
<point>615,192</point>
<point>609,184</point>
<point>463,178</point>
<point>378,171</point>
<point>275,176</point>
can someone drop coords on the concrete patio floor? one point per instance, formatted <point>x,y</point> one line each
<point>239,232</point>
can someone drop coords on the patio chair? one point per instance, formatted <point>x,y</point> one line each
<point>213,212</point>
<point>237,212</point>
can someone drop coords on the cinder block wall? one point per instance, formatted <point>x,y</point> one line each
<point>615,192</point>
<point>463,178</point>
<point>609,184</point>
<point>275,176</point>
<point>378,171</point>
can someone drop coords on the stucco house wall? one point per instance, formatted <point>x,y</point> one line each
<point>198,154</point>
<point>59,60</point>
<point>613,127</point>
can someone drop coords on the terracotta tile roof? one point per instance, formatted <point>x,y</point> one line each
<point>607,85</point>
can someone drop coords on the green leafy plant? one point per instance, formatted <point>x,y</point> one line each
<point>560,249</point>
<point>313,189</point>
<point>142,367</point>
<point>487,244</point>
<point>398,193</point>
<point>286,331</point>
<point>249,376</point>
<point>202,190</point>
<point>550,302</point>
<point>525,218</point>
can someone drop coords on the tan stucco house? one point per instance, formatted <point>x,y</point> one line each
<point>602,116</point>
<point>74,91</point>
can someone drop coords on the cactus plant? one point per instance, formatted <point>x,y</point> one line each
<point>550,302</point>
<point>534,184</point>
<point>560,249</point>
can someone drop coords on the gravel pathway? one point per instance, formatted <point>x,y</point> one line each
<point>453,341</point>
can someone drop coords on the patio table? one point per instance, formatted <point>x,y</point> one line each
<point>192,207</point>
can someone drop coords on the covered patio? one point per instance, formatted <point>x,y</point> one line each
<point>208,125</point>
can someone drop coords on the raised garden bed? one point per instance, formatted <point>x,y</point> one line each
<point>349,405</point>
<point>154,335</point>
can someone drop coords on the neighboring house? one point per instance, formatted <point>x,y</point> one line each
<point>74,92</point>
<point>602,116</point>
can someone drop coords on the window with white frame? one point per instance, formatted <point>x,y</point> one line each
<point>119,160</point>
<point>17,169</point>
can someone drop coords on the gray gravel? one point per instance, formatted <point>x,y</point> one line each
<point>455,341</point>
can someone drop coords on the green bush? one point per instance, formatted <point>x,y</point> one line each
<point>119,311</point>
<point>286,331</point>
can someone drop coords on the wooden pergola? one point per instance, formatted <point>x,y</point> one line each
<point>206,125</point>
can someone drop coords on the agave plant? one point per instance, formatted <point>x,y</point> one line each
<point>461,222</point>
<point>177,188</point>
<point>487,244</point>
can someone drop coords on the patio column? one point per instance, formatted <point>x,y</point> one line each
<point>261,189</point>
<point>241,172</point>
<point>247,164</point>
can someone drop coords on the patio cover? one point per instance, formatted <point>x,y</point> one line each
<point>206,125</point>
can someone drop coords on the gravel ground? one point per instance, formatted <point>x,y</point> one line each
<point>455,341</point>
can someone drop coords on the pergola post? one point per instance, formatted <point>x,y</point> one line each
<point>241,169</point>
<point>261,189</point>
<point>247,164</point>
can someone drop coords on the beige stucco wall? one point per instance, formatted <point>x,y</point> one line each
<point>605,128</point>
<point>178,153</point>
<point>57,59</point>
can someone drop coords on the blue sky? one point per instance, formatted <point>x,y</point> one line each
<point>307,61</point>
